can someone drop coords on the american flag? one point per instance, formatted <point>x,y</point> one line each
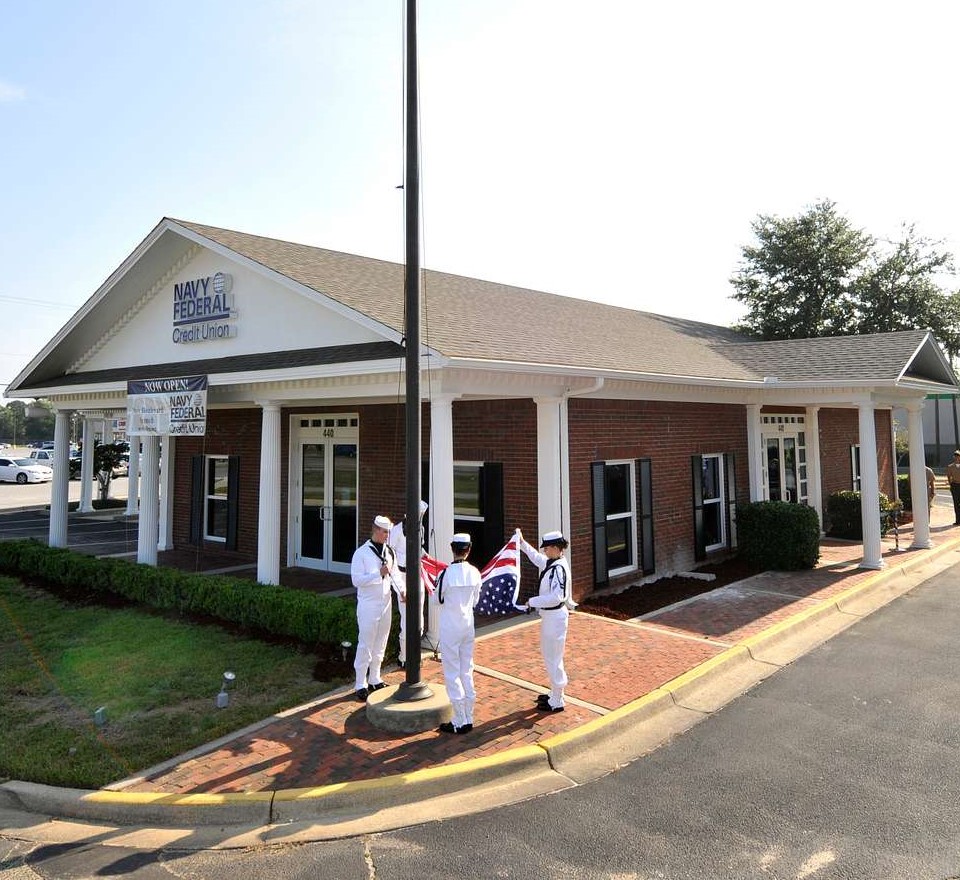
<point>501,581</point>
<point>429,569</point>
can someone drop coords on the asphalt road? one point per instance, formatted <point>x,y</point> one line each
<point>843,765</point>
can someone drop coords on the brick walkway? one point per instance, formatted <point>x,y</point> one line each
<point>610,663</point>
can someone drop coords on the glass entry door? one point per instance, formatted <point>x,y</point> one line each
<point>785,468</point>
<point>324,495</point>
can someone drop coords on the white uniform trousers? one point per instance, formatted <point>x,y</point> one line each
<point>553,638</point>
<point>456,656</point>
<point>373,622</point>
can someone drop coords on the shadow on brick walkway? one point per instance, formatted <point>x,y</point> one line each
<point>610,663</point>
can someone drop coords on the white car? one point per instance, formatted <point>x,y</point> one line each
<point>24,470</point>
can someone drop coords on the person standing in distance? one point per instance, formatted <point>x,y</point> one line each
<point>953,478</point>
<point>554,601</point>
<point>398,542</point>
<point>458,591</point>
<point>373,571</point>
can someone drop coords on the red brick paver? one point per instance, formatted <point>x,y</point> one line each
<point>609,663</point>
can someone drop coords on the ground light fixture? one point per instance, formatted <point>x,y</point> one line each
<point>345,647</point>
<point>223,698</point>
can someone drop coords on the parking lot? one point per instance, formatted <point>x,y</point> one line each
<point>24,514</point>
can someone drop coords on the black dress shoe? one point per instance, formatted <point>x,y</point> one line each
<point>447,727</point>
<point>377,687</point>
<point>546,707</point>
<point>466,728</point>
<point>362,695</point>
<point>543,698</point>
<point>401,664</point>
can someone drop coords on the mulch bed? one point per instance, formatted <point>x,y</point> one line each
<point>635,601</point>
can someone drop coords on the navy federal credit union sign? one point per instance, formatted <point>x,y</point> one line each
<point>203,309</point>
<point>167,407</point>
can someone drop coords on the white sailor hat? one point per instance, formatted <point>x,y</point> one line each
<point>423,507</point>
<point>554,539</point>
<point>382,522</point>
<point>461,538</point>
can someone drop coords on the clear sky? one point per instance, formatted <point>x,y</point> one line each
<point>615,150</point>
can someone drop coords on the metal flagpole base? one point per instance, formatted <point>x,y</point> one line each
<point>409,693</point>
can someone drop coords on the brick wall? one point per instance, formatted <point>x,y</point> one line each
<point>668,434</point>
<point>505,431</point>
<point>229,432</point>
<point>839,430</point>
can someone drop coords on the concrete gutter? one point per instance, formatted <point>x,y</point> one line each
<point>555,763</point>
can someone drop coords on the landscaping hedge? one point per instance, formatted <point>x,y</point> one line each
<point>844,516</point>
<point>778,535</point>
<point>308,617</point>
<point>903,491</point>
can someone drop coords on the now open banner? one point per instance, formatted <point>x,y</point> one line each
<point>167,407</point>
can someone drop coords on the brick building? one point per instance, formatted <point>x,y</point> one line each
<point>637,434</point>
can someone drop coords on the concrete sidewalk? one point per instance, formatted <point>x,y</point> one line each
<point>323,770</point>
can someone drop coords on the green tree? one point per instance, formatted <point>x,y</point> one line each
<point>898,290</point>
<point>798,281</point>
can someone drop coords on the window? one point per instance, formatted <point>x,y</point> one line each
<point>620,515</point>
<point>216,498</point>
<point>477,505</point>
<point>855,466</point>
<point>713,502</point>
<point>467,491</point>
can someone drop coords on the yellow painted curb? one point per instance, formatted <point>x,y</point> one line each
<point>597,724</point>
<point>150,798</point>
<point>701,669</point>
<point>401,780</point>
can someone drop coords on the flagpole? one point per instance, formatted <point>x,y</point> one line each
<point>412,688</point>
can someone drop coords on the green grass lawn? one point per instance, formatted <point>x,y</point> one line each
<point>157,679</point>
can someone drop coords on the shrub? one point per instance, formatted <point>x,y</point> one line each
<point>297,614</point>
<point>844,516</point>
<point>903,490</point>
<point>778,535</point>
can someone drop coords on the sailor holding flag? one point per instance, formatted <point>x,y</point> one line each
<point>554,602</point>
<point>373,571</point>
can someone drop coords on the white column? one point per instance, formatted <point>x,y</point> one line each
<point>754,452</point>
<point>148,524</point>
<point>60,490</point>
<point>918,477</point>
<point>268,522</point>
<point>133,478</point>
<point>441,491</point>
<point>168,447</point>
<point>550,474</point>
<point>814,484</point>
<point>869,489</point>
<point>86,464</point>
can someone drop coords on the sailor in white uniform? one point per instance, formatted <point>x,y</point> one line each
<point>458,591</point>
<point>398,541</point>
<point>554,602</point>
<point>373,570</point>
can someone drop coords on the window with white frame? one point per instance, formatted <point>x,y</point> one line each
<point>620,508</point>
<point>468,491</point>
<point>714,521</point>
<point>216,498</point>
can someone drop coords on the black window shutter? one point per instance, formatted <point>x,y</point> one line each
<point>196,499</point>
<point>233,500</point>
<point>730,473</point>
<point>597,479</point>
<point>699,535</point>
<point>491,499</point>
<point>647,562</point>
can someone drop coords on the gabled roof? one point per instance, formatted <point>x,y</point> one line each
<point>877,356</point>
<point>474,321</point>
